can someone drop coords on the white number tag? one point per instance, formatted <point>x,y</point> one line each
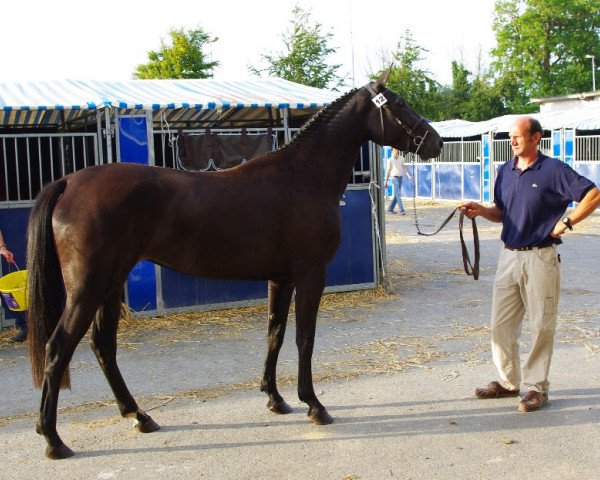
<point>379,100</point>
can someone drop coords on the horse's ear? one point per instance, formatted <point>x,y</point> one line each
<point>383,78</point>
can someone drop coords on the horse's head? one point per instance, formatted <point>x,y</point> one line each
<point>393,122</point>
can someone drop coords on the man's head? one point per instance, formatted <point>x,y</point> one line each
<point>525,135</point>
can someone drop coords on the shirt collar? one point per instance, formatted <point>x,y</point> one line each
<point>534,166</point>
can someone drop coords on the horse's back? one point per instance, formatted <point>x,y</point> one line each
<point>251,221</point>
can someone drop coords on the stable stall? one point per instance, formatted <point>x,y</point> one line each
<point>466,168</point>
<point>50,129</point>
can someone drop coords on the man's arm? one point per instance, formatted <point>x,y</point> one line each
<point>474,209</point>
<point>588,204</point>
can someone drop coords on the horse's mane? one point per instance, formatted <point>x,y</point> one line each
<point>316,119</point>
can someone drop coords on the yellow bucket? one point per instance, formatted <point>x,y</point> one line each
<point>13,288</point>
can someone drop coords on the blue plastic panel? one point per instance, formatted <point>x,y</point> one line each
<point>448,181</point>
<point>133,140</point>
<point>354,262</point>
<point>424,179</point>
<point>590,170</point>
<point>141,287</point>
<point>13,223</point>
<point>472,181</point>
<point>134,148</point>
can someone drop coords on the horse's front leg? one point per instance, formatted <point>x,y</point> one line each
<point>280,296</point>
<point>308,297</point>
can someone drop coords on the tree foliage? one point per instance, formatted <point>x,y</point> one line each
<point>184,58</point>
<point>542,46</point>
<point>304,57</point>
<point>408,79</point>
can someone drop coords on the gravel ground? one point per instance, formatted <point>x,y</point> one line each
<point>396,369</point>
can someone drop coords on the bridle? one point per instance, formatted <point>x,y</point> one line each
<point>381,102</point>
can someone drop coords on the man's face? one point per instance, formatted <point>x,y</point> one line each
<point>522,142</point>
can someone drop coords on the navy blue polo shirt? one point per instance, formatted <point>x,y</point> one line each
<point>533,200</point>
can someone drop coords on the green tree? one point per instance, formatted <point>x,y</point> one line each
<point>473,98</point>
<point>542,46</point>
<point>184,58</point>
<point>304,58</point>
<point>410,81</point>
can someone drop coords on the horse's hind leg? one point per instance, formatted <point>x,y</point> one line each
<point>104,345</point>
<point>308,296</point>
<point>70,330</point>
<point>280,296</point>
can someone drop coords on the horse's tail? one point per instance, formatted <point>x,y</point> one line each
<point>46,288</point>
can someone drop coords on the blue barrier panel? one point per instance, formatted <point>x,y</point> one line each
<point>13,223</point>
<point>569,147</point>
<point>353,264</point>
<point>590,170</point>
<point>179,290</point>
<point>472,181</point>
<point>556,144</point>
<point>424,179</point>
<point>134,148</point>
<point>133,140</point>
<point>408,185</point>
<point>448,181</point>
<point>141,287</point>
<point>487,185</point>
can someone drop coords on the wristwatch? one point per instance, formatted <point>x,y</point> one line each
<point>567,223</point>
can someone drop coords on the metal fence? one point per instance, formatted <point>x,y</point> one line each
<point>587,148</point>
<point>28,161</point>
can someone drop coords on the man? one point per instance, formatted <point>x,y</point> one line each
<point>531,195</point>
<point>20,321</point>
<point>396,169</point>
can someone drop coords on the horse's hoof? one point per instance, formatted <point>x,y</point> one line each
<point>59,452</point>
<point>147,427</point>
<point>320,417</point>
<point>279,407</point>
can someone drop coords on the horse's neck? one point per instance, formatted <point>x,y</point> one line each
<point>328,150</point>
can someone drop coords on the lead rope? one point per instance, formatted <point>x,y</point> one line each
<point>471,269</point>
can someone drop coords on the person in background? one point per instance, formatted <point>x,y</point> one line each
<point>20,320</point>
<point>396,168</point>
<point>531,195</point>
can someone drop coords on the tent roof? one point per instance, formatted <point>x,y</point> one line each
<point>580,119</point>
<point>54,102</point>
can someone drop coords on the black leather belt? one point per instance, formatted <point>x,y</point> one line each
<point>525,249</point>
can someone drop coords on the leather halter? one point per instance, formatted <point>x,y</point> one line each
<point>410,131</point>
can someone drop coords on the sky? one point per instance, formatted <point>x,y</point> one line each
<point>75,39</point>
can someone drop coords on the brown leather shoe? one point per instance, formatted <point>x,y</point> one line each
<point>495,390</point>
<point>533,401</point>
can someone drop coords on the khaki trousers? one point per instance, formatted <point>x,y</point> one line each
<point>527,281</point>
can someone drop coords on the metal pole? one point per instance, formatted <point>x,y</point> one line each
<point>593,71</point>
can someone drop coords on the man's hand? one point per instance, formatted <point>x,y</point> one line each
<point>6,253</point>
<point>471,209</point>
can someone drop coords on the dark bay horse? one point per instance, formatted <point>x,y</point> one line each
<point>88,229</point>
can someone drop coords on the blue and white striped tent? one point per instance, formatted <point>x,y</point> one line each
<point>51,103</point>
